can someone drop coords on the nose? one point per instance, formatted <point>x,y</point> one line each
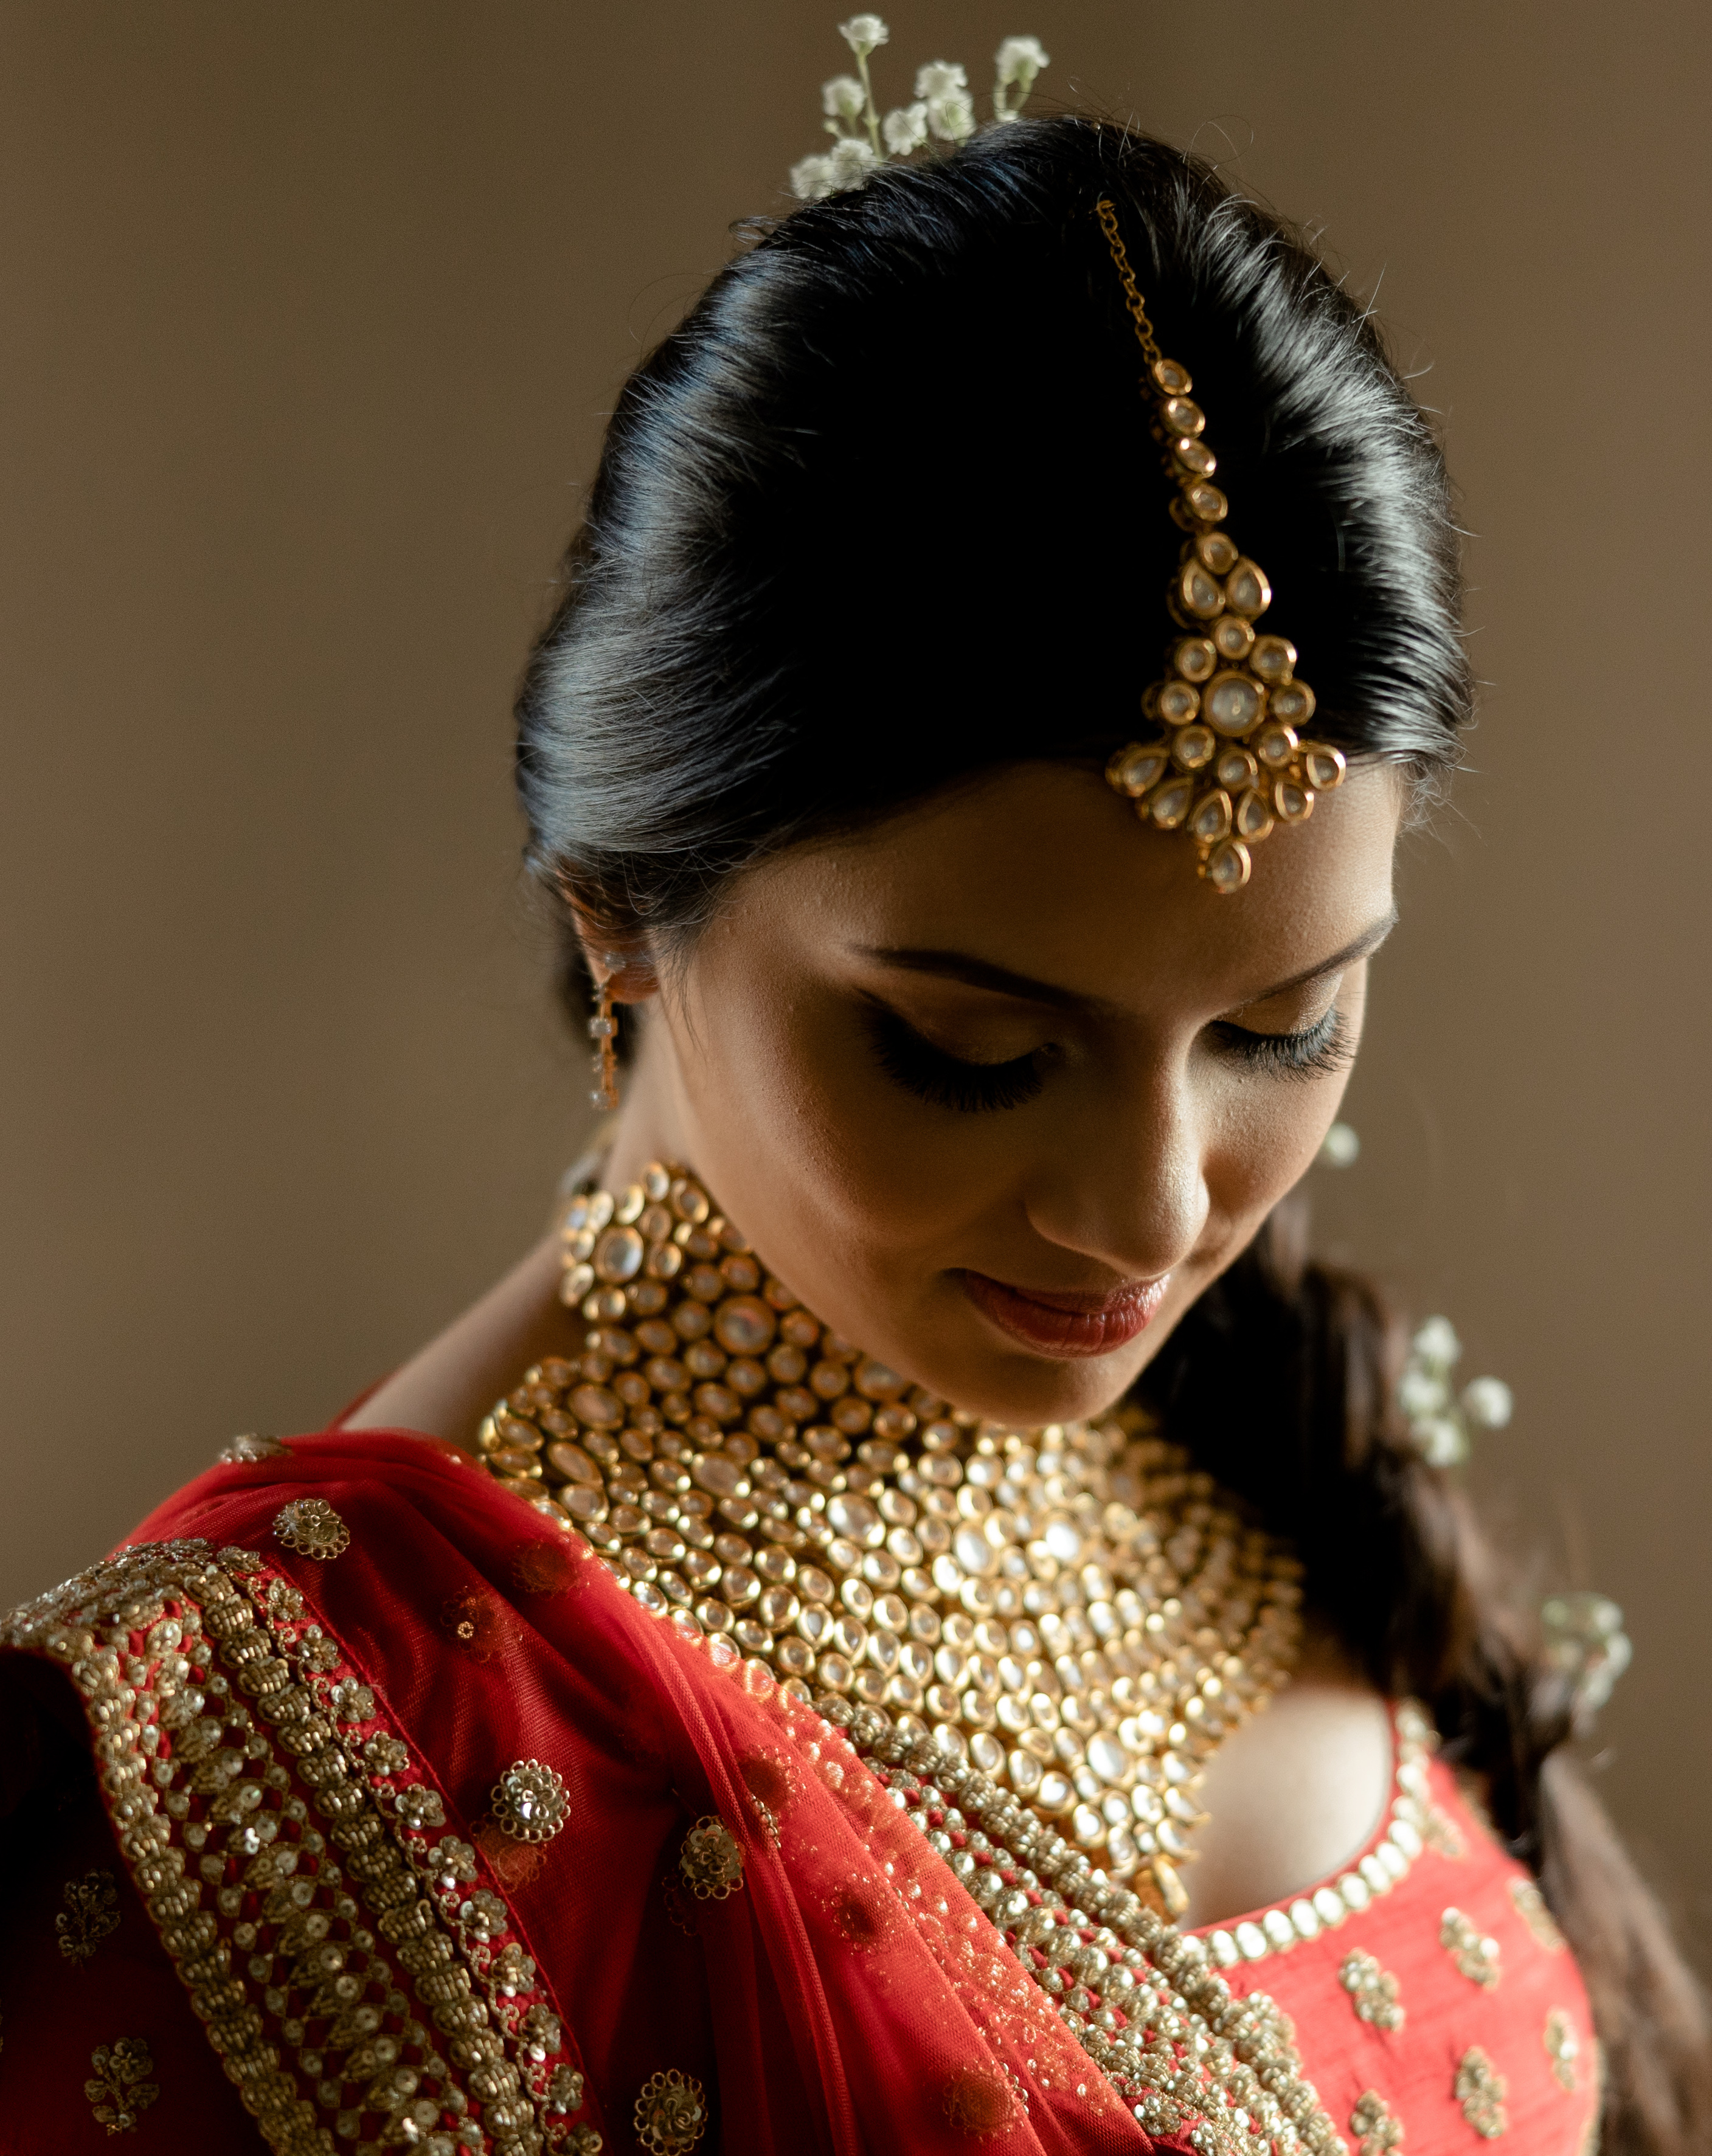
<point>1125,1186</point>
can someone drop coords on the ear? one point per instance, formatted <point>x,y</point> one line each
<point>621,959</point>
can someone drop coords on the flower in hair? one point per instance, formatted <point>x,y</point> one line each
<point>905,129</point>
<point>943,111</point>
<point>844,98</point>
<point>1439,1418</point>
<point>939,77</point>
<point>953,117</point>
<point>1019,60</point>
<point>864,34</point>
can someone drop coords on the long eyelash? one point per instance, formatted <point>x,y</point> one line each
<point>1322,1049</point>
<point>947,1082</point>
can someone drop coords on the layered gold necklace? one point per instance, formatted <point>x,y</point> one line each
<point>1040,1636</point>
<point>1072,1610</point>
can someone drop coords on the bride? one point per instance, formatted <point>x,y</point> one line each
<point>819,1706</point>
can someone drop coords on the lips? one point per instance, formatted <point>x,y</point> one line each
<point>1054,1322</point>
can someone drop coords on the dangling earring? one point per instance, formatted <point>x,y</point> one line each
<point>603,1030</point>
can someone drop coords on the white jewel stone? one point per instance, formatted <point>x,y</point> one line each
<point>1170,803</point>
<point>1228,866</point>
<point>1139,769</point>
<point>1232,703</point>
<point>1306,1919</point>
<point>1226,1950</point>
<point>1331,1910</point>
<point>1294,803</point>
<point>1252,1941</point>
<point>1194,748</point>
<point>1293,703</point>
<point>1247,590</point>
<point>1324,767</point>
<point>1354,1892</point>
<point>972,1551</point>
<point>1280,1932</point>
<point>1108,1758</point>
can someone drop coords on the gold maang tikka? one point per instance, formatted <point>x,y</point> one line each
<point>1231,764</point>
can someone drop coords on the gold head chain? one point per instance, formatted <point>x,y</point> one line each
<point>1231,765</point>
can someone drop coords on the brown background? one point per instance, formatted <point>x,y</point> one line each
<point>309,315</point>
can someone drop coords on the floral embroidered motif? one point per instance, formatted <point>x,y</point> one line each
<point>540,1568</point>
<point>120,2087</point>
<point>1439,1831</point>
<point>863,1912</point>
<point>477,1623</point>
<point>1475,1956</point>
<point>672,2113</point>
<point>712,1860</point>
<point>1373,1991</point>
<point>1531,1908</point>
<point>1562,2047</point>
<point>310,1527</point>
<point>91,1915</point>
<point>1377,2129</point>
<point>1481,2090</point>
<point>281,1928</point>
<point>530,1801</point>
<point>251,1446</point>
<point>983,2100</point>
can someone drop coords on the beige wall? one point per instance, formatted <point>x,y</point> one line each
<point>309,315</point>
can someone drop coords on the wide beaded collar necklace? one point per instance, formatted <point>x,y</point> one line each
<point>1072,1610</point>
<point>1035,1638</point>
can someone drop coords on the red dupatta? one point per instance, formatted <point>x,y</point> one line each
<point>298,1754</point>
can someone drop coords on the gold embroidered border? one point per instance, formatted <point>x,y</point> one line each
<point>214,1802</point>
<point>1138,1998</point>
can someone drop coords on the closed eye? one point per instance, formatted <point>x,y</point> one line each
<point>949,1081</point>
<point>1322,1049</point>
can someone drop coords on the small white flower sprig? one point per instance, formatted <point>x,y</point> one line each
<point>943,111</point>
<point>1587,1645</point>
<point>1439,1418</point>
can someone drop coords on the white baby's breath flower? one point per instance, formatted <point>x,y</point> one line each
<point>1421,1392</point>
<point>1019,60</point>
<point>843,98</point>
<point>852,161</point>
<point>864,34</point>
<point>812,180</point>
<point>1340,1147</point>
<point>1436,1342</point>
<point>953,117</point>
<point>1441,1442</point>
<point>939,77</point>
<point>905,129</point>
<point>1488,1403</point>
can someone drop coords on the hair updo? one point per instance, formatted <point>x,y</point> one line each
<point>884,514</point>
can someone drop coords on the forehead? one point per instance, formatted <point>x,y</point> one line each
<point>1044,870</point>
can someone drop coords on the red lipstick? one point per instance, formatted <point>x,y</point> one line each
<point>1065,1324</point>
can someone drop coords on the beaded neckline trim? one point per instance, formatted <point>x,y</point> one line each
<point>1288,1924</point>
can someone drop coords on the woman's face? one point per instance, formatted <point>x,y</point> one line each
<point>1000,1087</point>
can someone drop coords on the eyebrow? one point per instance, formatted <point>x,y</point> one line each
<point>982,973</point>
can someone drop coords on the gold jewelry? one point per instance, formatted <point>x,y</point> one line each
<point>1070,1609</point>
<point>603,1030</point>
<point>1033,1640</point>
<point>1233,764</point>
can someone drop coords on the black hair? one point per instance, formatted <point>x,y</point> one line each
<point>884,514</point>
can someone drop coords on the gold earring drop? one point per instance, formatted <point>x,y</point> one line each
<point>603,1030</point>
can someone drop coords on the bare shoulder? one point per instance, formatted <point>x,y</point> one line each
<point>447,1387</point>
<point>1294,1794</point>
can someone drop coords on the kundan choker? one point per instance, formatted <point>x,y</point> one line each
<point>1034,1638</point>
<point>1072,1610</point>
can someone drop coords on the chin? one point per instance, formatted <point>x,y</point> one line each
<point>1025,1391</point>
